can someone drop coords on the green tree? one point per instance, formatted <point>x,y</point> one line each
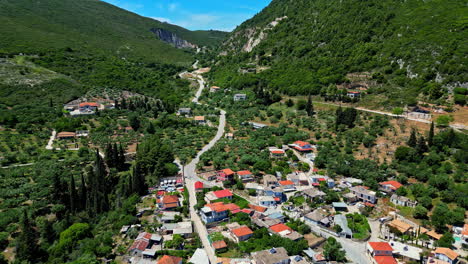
<point>309,106</point>
<point>446,240</point>
<point>420,212</point>
<point>333,250</point>
<point>412,141</point>
<point>440,217</point>
<point>430,137</point>
<point>444,120</point>
<point>397,111</point>
<point>26,243</point>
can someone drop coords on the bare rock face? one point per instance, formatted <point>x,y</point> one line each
<point>172,38</point>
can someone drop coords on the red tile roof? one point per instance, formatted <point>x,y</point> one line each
<point>222,193</point>
<point>217,207</point>
<point>447,252</point>
<point>169,260</point>
<point>321,179</point>
<point>277,151</point>
<point>301,143</point>
<point>288,182</point>
<point>242,231</point>
<point>198,185</point>
<point>247,211</point>
<point>140,244</point>
<point>369,204</point>
<point>228,171</point>
<point>385,260</point>
<point>89,104</point>
<point>257,208</point>
<point>219,244</point>
<point>394,184</point>
<point>381,246</point>
<point>66,134</point>
<point>244,172</point>
<point>280,228</point>
<point>232,207</point>
<point>465,230</point>
<point>170,199</point>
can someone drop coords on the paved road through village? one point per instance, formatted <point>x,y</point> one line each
<point>191,176</point>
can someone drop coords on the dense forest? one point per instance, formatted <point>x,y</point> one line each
<point>412,49</point>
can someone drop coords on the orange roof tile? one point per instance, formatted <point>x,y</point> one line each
<point>170,199</point>
<point>219,244</point>
<point>280,228</point>
<point>395,185</point>
<point>381,246</point>
<point>244,172</point>
<point>257,208</point>
<point>242,231</point>
<point>217,207</point>
<point>447,252</point>
<point>385,260</point>
<point>228,171</point>
<point>169,260</point>
<point>288,182</point>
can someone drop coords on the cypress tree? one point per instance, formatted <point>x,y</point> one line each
<point>339,117</point>
<point>421,147</point>
<point>83,193</point>
<point>109,155</point>
<point>121,162</point>
<point>26,247</point>
<point>115,156</point>
<point>430,138</point>
<point>73,196</point>
<point>412,141</point>
<point>309,106</point>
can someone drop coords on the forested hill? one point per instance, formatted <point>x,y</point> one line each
<point>36,26</point>
<point>301,46</point>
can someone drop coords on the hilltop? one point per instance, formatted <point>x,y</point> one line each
<point>409,51</point>
<point>41,26</point>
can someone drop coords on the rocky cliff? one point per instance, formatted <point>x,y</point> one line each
<point>172,38</point>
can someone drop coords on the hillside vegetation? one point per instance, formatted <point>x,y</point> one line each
<point>39,26</point>
<point>413,49</point>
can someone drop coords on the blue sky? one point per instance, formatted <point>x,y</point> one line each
<point>196,14</point>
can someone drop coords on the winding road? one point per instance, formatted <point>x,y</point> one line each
<point>190,176</point>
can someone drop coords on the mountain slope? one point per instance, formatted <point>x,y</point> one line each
<point>303,46</point>
<point>32,26</point>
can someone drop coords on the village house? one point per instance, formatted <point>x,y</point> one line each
<point>285,231</point>
<point>288,186</point>
<point>225,175</point>
<point>402,201</point>
<point>298,178</point>
<point>266,201</point>
<point>353,94</point>
<point>443,255</point>
<point>340,206</point>
<point>276,153</point>
<point>245,175</point>
<point>166,259</point>
<point>242,233</point>
<point>184,111</point>
<point>168,202</point>
<point>381,253</point>
<point>316,180</point>
<point>66,135</point>
<point>318,217</point>
<point>215,195</point>
<point>270,180</point>
<point>198,186</point>
<point>313,193</point>
<point>271,256</point>
<point>214,89</point>
<point>199,120</point>
<point>209,175</point>
<point>256,125</point>
<point>168,216</point>
<point>143,244</point>
<point>219,245</point>
<point>390,186</point>
<point>218,211</point>
<point>363,194</point>
<point>82,133</point>
<point>405,252</point>
<point>239,97</point>
<point>400,226</point>
<point>229,135</point>
<point>184,229</point>
<point>200,257</point>
<point>88,106</point>
<point>302,146</point>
